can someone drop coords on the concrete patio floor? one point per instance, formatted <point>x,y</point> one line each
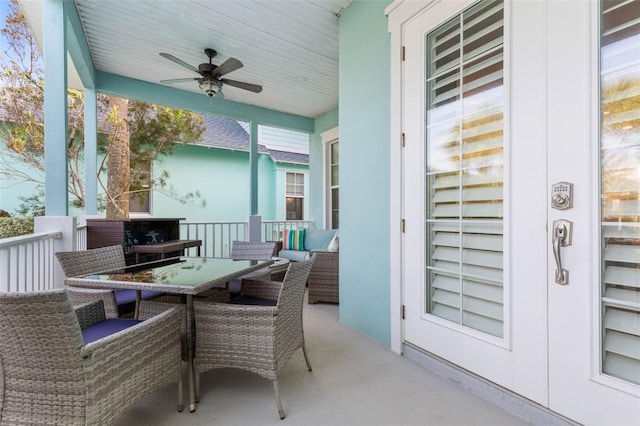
<point>355,381</point>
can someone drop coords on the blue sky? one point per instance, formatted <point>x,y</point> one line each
<point>4,6</point>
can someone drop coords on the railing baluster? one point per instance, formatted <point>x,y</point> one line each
<point>26,262</point>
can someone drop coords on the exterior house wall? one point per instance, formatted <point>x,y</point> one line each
<point>221,176</point>
<point>10,191</point>
<point>365,169</point>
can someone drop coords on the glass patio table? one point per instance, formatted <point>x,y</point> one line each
<point>186,276</point>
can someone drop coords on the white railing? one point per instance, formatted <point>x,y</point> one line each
<point>217,236</point>
<point>27,262</point>
<point>81,237</point>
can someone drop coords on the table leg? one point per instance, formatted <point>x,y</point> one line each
<point>190,325</point>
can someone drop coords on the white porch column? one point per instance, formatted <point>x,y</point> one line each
<point>55,107</point>
<point>90,152</point>
<point>67,225</point>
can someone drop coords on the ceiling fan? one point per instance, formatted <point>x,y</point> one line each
<point>210,79</point>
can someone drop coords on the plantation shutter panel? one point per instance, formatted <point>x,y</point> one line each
<point>620,183</point>
<point>465,169</point>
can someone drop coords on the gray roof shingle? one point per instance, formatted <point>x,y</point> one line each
<point>229,134</point>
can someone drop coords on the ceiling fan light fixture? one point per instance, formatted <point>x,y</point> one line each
<point>209,86</point>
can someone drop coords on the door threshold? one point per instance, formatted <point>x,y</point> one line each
<point>505,399</point>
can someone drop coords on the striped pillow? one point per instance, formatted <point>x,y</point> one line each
<point>293,240</point>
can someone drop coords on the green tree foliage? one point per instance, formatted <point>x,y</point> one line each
<point>153,130</point>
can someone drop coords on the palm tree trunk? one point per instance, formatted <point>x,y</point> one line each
<point>118,163</point>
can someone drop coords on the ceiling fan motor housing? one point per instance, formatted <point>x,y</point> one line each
<point>206,69</point>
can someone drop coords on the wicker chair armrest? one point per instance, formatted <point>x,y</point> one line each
<point>138,338</point>
<point>263,289</point>
<point>90,313</point>
<point>123,366</point>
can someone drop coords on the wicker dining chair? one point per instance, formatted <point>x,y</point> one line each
<point>83,262</point>
<point>243,250</point>
<point>73,367</point>
<point>260,337</point>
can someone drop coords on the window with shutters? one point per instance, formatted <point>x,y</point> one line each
<point>464,157</point>
<point>620,186</point>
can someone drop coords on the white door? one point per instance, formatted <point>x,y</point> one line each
<point>500,102</point>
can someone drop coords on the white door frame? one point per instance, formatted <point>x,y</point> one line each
<point>402,12</point>
<point>328,137</point>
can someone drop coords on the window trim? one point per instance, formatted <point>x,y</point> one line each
<point>328,138</point>
<point>304,192</point>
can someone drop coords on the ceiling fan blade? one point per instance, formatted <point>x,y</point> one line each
<point>179,62</point>
<point>242,85</point>
<point>178,80</point>
<point>226,67</point>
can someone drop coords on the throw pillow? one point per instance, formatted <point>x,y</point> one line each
<point>293,240</point>
<point>333,244</point>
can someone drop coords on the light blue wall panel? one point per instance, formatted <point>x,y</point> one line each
<point>10,191</point>
<point>364,169</point>
<point>221,176</point>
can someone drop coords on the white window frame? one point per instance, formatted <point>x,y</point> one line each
<point>304,192</point>
<point>328,138</point>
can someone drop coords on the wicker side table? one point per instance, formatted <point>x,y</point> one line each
<point>323,278</point>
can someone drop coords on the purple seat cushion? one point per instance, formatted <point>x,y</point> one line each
<point>250,300</point>
<point>106,328</point>
<point>235,287</point>
<point>126,299</point>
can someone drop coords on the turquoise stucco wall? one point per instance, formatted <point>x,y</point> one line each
<point>364,169</point>
<point>10,191</point>
<point>323,123</point>
<point>222,177</point>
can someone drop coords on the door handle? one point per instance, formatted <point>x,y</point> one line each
<point>562,230</point>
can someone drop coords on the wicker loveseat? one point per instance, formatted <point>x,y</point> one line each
<point>314,240</point>
<point>324,276</point>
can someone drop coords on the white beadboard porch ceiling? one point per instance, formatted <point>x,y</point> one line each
<point>289,47</point>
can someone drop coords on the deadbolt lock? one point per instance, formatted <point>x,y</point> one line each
<point>562,196</point>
